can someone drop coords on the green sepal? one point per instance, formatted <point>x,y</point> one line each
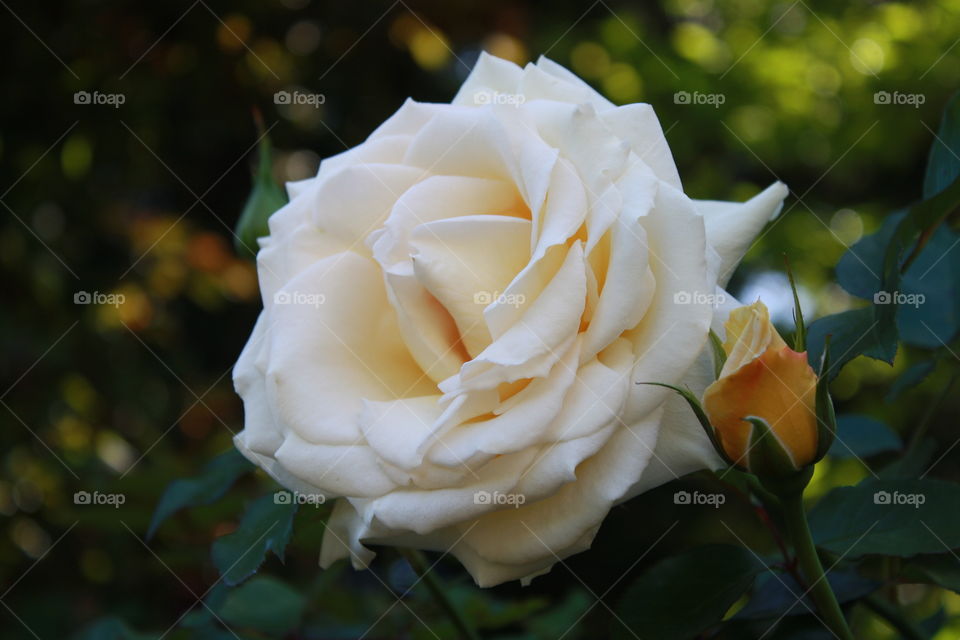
<point>826,418</point>
<point>800,332</point>
<point>719,354</point>
<point>698,411</point>
<point>766,457</point>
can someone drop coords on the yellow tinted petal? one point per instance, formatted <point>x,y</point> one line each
<point>780,387</point>
<point>749,334</point>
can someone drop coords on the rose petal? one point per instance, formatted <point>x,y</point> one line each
<point>467,262</point>
<point>733,226</point>
<point>780,387</point>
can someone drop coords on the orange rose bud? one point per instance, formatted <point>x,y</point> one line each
<point>762,378</point>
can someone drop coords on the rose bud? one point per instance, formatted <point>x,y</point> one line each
<point>762,378</point>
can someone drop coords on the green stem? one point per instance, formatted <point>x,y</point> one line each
<point>796,520</point>
<point>771,501</point>
<point>894,616</point>
<point>422,568</point>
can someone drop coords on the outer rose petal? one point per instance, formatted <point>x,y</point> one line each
<point>779,387</point>
<point>733,226</point>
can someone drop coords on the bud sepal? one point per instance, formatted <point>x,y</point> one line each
<point>826,417</point>
<point>698,411</point>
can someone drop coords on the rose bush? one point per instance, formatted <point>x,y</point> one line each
<point>457,313</point>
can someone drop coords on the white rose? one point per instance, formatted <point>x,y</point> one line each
<point>457,313</point>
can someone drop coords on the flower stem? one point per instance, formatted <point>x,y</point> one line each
<point>423,569</point>
<point>819,588</point>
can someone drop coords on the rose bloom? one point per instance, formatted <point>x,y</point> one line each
<point>458,311</point>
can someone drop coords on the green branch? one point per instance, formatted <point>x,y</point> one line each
<point>423,569</point>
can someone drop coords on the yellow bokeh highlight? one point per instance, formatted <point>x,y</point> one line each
<point>903,22</point>
<point>76,156</point>
<point>590,60</point>
<point>427,45</point>
<point>78,393</point>
<point>867,56</point>
<point>233,32</point>
<point>698,44</point>
<point>114,451</point>
<point>623,84</point>
<point>73,434</point>
<point>622,32</point>
<point>429,49</point>
<point>268,60</point>
<point>505,46</point>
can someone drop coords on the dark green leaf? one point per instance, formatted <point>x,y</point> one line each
<point>265,198</point>
<point>943,163</point>
<point>264,604</point>
<point>860,267</point>
<point>927,297</point>
<point>852,333</point>
<point>928,315</point>
<point>776,595</point>
<point>914,463</point>
<point>686,594</point>
<point>911,235</point>
<point>266,526</point>
<point>934,623</point>
<point>557,620</point>
<point>910,378</point>
<point>202,616</point>
<point>888,517</point>
<point>908,263</point>
<point>217,476</point>
<point>942,569</point>
<point>862,436</point>
<point>113,629</point>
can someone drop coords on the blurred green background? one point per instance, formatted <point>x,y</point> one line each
<point>139,200</point>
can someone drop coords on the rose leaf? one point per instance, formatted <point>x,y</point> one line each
<point>901,518</point>
<point>217,476</point>
<point>266,526</point>
<point>264,604</point>
<point>686,594</point>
